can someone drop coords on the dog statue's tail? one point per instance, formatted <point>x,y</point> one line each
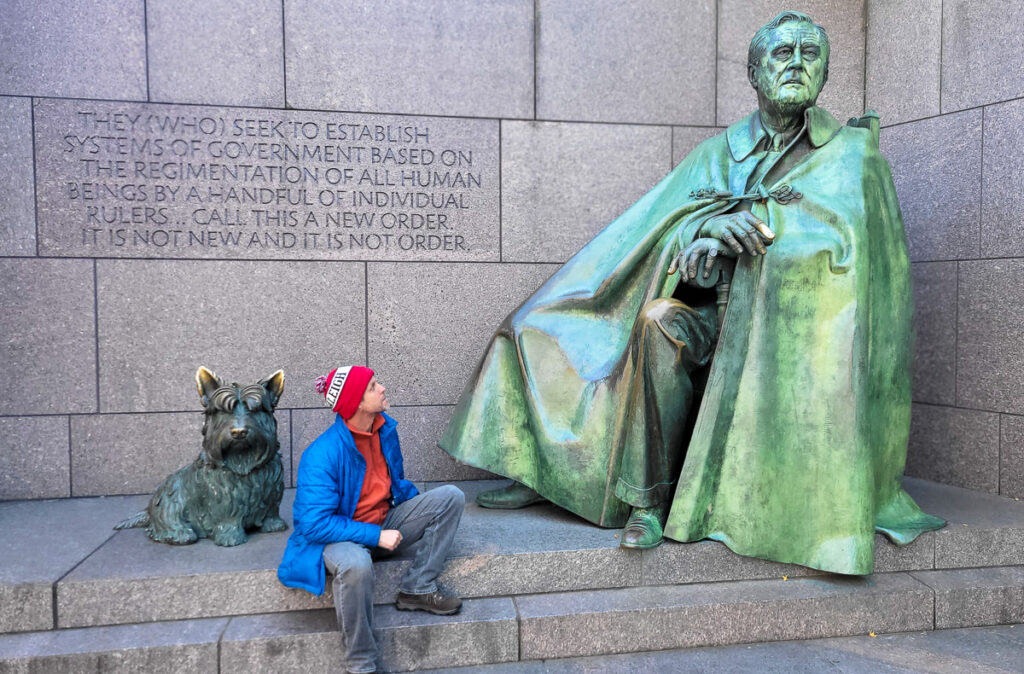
<point>139,519</point>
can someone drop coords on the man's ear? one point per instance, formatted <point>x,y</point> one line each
<point>207,382</point>
<point>752,76</point>
<point>275,387</point>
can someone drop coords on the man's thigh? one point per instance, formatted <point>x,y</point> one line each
<point>344,555</point>
<point>413,516</point>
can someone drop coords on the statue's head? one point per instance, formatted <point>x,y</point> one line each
<point>787,63</point>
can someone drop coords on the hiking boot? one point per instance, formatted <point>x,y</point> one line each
<point>436,602</point>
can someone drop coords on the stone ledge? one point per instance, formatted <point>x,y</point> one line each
<point>680,616</point>
<point>155,648</point>
<point>541,549</point>
<point>976,597</point>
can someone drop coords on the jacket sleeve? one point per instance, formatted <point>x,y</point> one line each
<point>317,501</point>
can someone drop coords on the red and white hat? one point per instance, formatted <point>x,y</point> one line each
<point>343,388</point>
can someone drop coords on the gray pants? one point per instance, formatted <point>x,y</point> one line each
<point>428,523</point>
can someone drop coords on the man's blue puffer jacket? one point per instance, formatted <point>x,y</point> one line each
<point>330,478</point>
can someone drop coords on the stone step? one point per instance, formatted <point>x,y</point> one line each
<point>535,627</point>
<point>105,578</point>
<point>542,627</point>
<point>711,614</point>
<point>485,631</point>
<point>982,650</point>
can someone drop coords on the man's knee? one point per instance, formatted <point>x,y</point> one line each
<point>448,497</point>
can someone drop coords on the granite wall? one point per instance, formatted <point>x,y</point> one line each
<point>237,184</point>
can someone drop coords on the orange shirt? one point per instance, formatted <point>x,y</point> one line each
<point>376,492</point>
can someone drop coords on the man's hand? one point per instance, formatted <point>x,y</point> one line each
<point>688,259</point>
<point>389,539</point>
<point>741,231</point>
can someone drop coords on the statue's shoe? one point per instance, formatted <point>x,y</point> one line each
<point>516,495</point>
<point>643,529</point>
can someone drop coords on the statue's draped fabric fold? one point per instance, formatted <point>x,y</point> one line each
<point>800,440</point>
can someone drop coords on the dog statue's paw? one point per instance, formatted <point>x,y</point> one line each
<point>228,535</point>
<point>273,523</point>
<point>176,536</point>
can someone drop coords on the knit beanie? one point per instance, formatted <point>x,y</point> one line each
<point>343,388</point>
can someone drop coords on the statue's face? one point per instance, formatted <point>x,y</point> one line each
<point>792,71</point>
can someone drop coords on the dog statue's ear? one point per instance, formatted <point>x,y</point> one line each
<point>275,387</point>
<point>207,382</point>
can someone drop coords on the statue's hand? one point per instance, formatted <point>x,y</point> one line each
<point>688,259</point>
<point>741,231</point>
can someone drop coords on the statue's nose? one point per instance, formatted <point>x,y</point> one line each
<point>239,433</point>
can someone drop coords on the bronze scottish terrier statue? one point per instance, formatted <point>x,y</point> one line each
<point>236,482</point>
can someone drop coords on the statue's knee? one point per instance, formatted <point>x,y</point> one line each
<point>660,310</point>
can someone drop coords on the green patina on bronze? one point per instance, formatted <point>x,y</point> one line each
<point>799,444</point>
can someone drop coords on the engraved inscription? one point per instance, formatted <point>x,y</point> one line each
<point>149,180</point>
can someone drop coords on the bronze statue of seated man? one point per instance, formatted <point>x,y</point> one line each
<point>775,253</point>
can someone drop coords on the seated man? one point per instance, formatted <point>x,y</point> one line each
<point>796,453</point>
<point>353,505</point>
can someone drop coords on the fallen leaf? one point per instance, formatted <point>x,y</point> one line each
<point>872,635</point>
<point>785,578</point>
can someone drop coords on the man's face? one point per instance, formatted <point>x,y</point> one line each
<point>792,70</point>
<point>375,399</point>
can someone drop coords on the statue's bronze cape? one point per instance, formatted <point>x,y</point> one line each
<point>800,441</point>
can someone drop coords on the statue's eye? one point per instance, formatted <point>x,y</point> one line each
<point>783,52</point>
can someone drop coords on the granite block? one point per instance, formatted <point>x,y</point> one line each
<point>970,76</point>
<point>419,429</point>
<point>990,353</point>
<point>160,320</point>
<point>936,165</point>
<point>918,555</point>
<point>131,579</point>
<point>934,373</point>
<point>954,446</point>
<point>470,58</point>
<point>709,562</point>
<point>537,549</point>
<point>17,200</point>
<point>484,631</point>
<point>43,540</point>
<point>685,139</point>
<point>983,530</point>
<point>563,183</point>
<point>1011,456</point>
<point>307,425</point>
<point>678,616</point>
<point>133,453</point>
<point>419,351</point>
<point>843,20</point>
<point>1002,195</point>
<point>157,181</point>
<point>162,648</point>
<point>903,58</point>
<point>589,66</point>
<point>976,597</point>
<point>229,53</point>
<point>987,650</point>
<point>49,336</point>
<point>73,48</point>
<point>34,459</point>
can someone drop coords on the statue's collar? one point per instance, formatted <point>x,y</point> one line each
<point>745,134</point>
